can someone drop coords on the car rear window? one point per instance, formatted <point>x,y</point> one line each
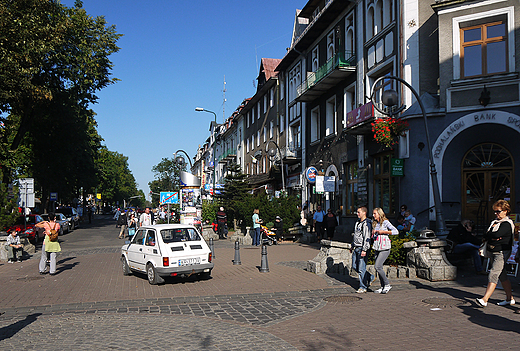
<point>179,234</point>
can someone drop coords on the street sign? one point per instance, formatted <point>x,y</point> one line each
<point>397,167</point>
<point>169,197</point>
<point>53,196</point>
<point>329,184</point>
<point>310,174</point>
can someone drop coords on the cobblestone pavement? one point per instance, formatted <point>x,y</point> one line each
<point>90,305</point>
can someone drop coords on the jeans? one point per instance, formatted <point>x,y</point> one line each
<point>256,237</point>
<point>360,266</point>
<point>460,248</point>
<point>14,253</point>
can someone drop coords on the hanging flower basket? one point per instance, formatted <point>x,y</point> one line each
<point>387,130</point>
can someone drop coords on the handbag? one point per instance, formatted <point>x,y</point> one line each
<point>483,251</point>
<point>381,242</point>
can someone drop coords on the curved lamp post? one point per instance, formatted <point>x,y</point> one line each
<point>180,159</point>
<point>200,109</point>
<point>390,98</point>
<point>281,159</point>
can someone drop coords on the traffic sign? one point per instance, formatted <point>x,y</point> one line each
<point>169,197</point>
<point>53,196</point>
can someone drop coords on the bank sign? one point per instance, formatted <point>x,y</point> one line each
<point>310,174</point>
<point>397,167</point>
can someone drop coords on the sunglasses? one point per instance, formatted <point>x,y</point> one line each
<point>498,211</point>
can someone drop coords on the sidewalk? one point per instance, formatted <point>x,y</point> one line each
<point>96,307</point>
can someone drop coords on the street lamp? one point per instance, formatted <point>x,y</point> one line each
<point>390,99</point>
<point>130,198</point>
<point>200,109</point>
<point>180,160</point>
<point>271,156</point>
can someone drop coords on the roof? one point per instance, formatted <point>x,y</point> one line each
<point>430,103</point>
<point>269,67</point>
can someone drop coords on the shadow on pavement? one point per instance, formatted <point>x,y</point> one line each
<point>12,329</point>
<point>334,340</point>
<point>476,314</point>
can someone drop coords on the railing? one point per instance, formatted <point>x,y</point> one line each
<point>340,59</point>
<point>227,153</point>
<point>292,151</point>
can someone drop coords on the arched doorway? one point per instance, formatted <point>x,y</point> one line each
<point>487,176</point>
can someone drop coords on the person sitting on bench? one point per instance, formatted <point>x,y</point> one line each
<point>465,240</point>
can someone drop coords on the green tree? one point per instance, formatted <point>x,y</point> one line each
<point>116,181</point>
<point>236,188</point>
<point>8,205</point>
<point>167,177</point>
<point>48,51</point>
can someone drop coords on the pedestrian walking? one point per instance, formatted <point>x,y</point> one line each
<point>123,223</point>
<point>146,218</point>
<point>359,248</point>
<point>256,227</point>
<point>318,222</point>
<point>499,241</point>
<point>331,222</point>
<point>381,229</point>
<point>222,223</point>
<point>49,248</point>
<point>132,225</point>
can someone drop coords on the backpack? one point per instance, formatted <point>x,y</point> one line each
<point>54,234</point>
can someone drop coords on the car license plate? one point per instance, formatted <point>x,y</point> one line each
<point>189,261</point>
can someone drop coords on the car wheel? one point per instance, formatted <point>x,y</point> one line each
<point>126,269</point>
<point>72,226</point>
<point>151,273</point>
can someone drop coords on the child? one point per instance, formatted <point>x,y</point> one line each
<point>14,247</point>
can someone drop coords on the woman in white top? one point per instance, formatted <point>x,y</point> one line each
<point>381,229</point>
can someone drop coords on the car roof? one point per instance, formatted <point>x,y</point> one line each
<point>167,226</point>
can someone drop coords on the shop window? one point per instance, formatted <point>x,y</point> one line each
<point>484,49</point>
<point>384,187</point>
<point>352,187</point>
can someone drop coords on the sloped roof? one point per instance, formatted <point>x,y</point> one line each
<point>269,67</point>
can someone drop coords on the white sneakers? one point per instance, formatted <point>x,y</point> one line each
<point>384,290</point>
<point>361,290</point>
<point>505,302</point>
<point>481,302</point>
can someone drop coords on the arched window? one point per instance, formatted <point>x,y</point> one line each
<point>370,23</point>
<point>378,17</point>
<point>387,12</point>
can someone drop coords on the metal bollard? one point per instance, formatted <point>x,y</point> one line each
<point>264,267</point>
<point>236,261</point>
<point>212,247</point>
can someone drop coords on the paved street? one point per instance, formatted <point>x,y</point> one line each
<point>90,305</point>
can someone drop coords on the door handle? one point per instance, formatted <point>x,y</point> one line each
<point>140,249</point>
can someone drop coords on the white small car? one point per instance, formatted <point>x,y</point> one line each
<point>167,250</point>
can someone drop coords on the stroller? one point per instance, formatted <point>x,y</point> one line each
<point>268,237</point>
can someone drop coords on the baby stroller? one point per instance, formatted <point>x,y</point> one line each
<point>268,237</point>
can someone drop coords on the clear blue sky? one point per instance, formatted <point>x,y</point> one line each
<point>174,56</point>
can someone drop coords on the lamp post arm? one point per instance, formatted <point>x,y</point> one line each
<point>200,109</point>
<point>441,226</point>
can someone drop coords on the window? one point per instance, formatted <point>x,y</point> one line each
<point>384,189</point>
<point>295,79</point>
<point>295,137</point>
<point>258,138</point>
<point>349,37</point>
<point>370,23</point>
<point>330,117</point>
<point>352,187</point>
<point>281,127</point>
<point>247,145</point>
<point>315,59</point>
<point>378,17</point>
<point>350,103</point>
<point>265,134</point>
<point>271,129</point>
<point>265,103</point>
<point>330,45</point>
<point>271,97</point>
<point>258,110</point>
<point>484,49</point>
<point>315,124</point>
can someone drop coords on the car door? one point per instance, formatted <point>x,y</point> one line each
<point>135,251</point>
<point>151,248</point>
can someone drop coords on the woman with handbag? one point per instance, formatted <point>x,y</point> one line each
<point>49,248</point>
<point>132,224</point>
<point>381,229</point>
<point>499,239</point>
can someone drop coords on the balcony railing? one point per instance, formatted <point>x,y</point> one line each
<point>228,154</point>
<point>338,61</point>
<point>291,152</point>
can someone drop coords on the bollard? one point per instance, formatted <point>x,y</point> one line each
<point>236,261</point>
<point>211,247</point>
<point>264,267</point>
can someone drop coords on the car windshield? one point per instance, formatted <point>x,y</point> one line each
<point>65,211</point>
<point>179,234</point>
<point>25,219</point>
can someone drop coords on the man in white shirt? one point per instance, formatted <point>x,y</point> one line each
<point>146,218</point>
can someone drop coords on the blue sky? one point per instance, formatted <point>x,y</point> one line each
<point>174,57</point>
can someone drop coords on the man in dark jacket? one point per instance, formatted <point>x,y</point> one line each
<point>465,240</point>
<point>222,223</point>
<point>121,221</point>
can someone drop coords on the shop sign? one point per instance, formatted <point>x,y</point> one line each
<point>310,174</point>
<point>397,167</point>
<point>319,184</point>
<point>329,184</point>
<point>360,114</point>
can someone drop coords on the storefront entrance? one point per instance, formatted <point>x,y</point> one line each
<point>487,175</point>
